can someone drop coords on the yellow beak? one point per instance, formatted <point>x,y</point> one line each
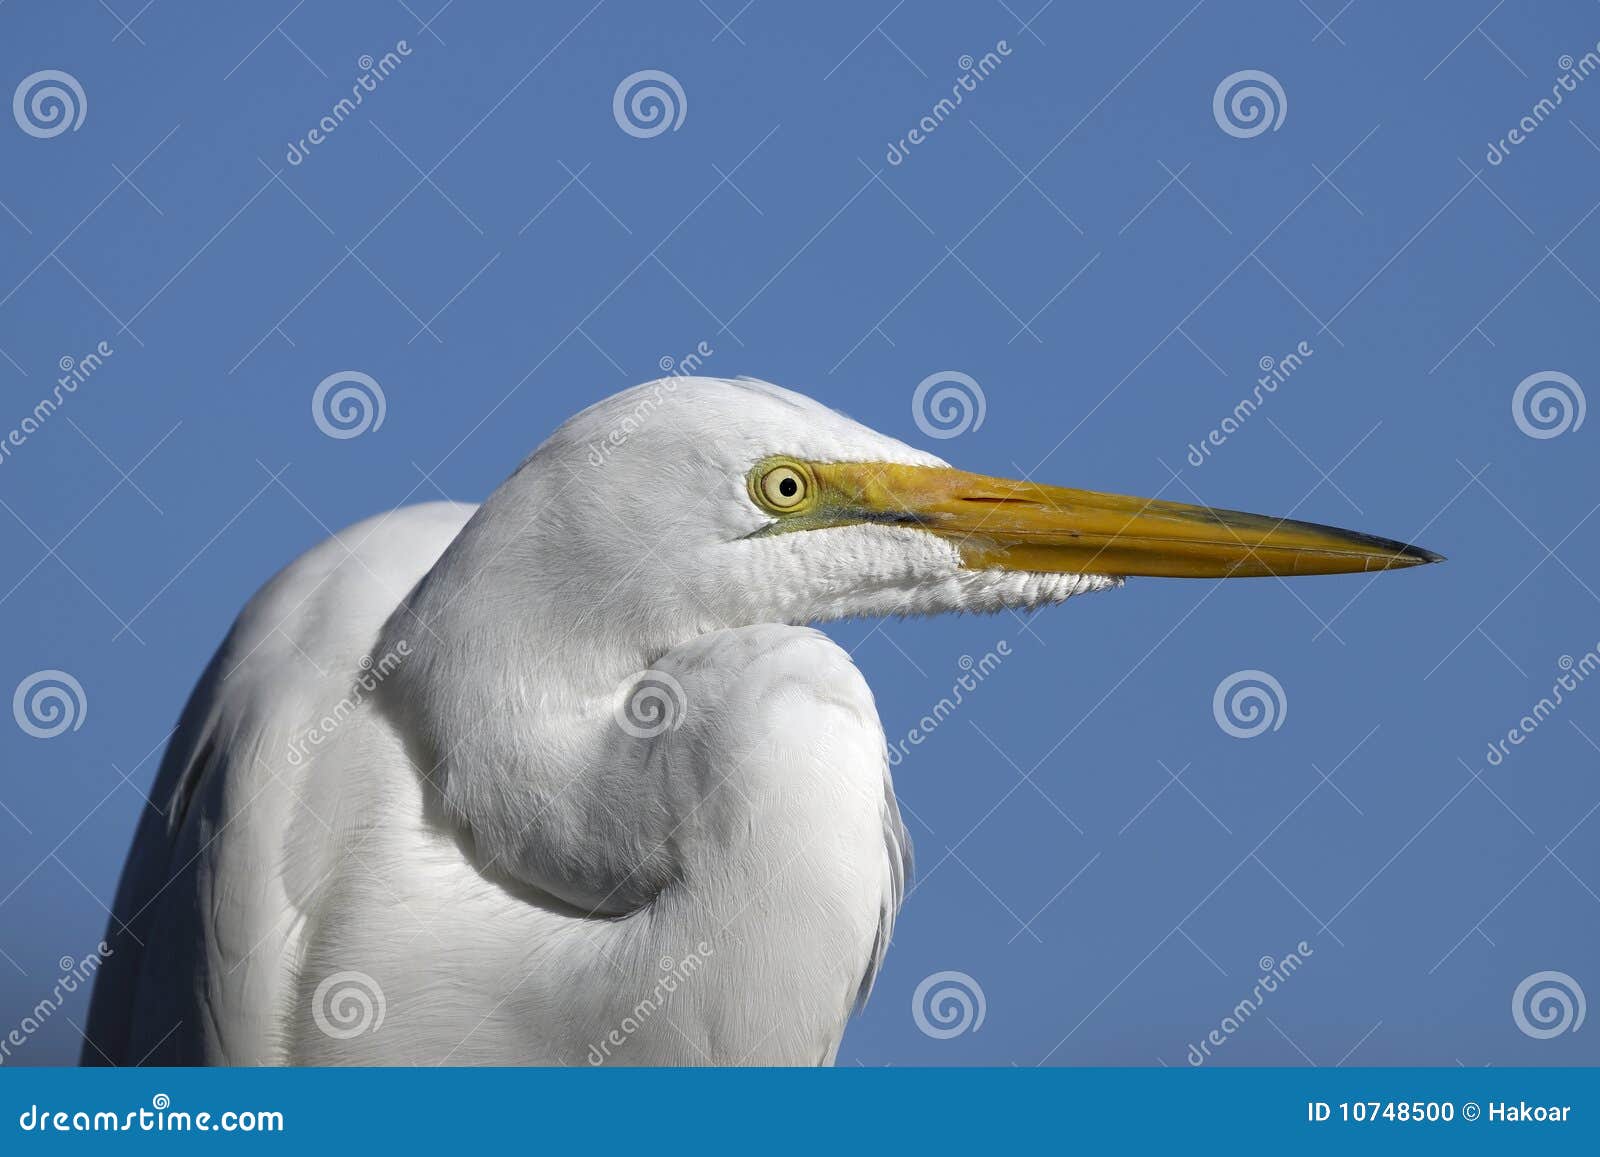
<point>996,522</point>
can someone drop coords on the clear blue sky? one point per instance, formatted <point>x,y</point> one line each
<point>1082,238</point>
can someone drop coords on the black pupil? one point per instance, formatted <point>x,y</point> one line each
<point>788,487</point>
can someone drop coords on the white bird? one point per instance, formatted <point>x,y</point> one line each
<point>566,778</point>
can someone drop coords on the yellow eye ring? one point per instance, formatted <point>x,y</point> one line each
<point>781,487</point>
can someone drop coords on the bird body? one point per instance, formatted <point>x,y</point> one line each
<point>287,872</point>
<point>566,778</point>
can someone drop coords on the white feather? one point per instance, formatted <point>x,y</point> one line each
<point>473,844</point>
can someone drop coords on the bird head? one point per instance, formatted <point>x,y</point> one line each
<point>698,503</point>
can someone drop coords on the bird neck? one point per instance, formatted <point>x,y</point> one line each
<point>507,702</point>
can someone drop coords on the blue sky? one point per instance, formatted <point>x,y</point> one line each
<point>1082,237</point>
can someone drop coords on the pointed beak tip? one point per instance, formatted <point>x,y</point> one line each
<point>1421,557</point>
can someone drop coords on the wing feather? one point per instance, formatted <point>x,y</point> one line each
<point>192,908</point>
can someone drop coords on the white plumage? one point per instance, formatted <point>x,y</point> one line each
<point>564,778</point>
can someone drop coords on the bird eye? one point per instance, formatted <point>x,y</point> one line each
<point>783,488</point>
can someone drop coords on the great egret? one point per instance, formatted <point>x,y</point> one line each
<point>565,778</point>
